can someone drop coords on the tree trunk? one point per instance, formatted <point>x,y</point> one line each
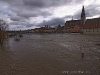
<point>1,37</point>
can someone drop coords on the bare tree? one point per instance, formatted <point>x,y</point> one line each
<point>3,28</point>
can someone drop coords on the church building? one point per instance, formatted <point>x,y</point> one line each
<point>85,26</point>
<point>76,26</point>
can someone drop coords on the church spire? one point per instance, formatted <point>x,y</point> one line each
<point>72,18</point>
<point>83,17</point>
<point>83,12</point>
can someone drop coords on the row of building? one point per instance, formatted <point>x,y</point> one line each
<point>85,26</point>
<point>58,29</point>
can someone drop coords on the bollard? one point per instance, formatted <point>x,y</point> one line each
<point>82,55</point>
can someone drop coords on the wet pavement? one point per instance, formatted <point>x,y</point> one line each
<point>51,54</point>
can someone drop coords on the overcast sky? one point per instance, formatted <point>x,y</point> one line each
<point>30,14</point>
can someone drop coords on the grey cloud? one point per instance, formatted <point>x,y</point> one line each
<point>10,2</point>
<point>28,13</point>
<point>24,9</point>
<point>45,13</point>
<point>15,18</point>
<point>28,25</point>
<point>41,3</point>
<point>23,20</point>
<point>34,8</point>
<point>91,10</point>
<point>14,23</point>
<point>52,22</point>
<point>18,27</point>
<point>34,3</point>
<point>18,23</point>
<point>77,15</point>
<point>25,24</point>
<point>21,24</point>
<point>49,3</point>
<point>4,12</point>
<point>68,16</point>
<point>7,0</point>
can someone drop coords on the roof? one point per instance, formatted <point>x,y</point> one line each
<point>73,21</point>
<point>92,23</point>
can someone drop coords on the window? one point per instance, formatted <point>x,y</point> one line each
<point>96,25</point>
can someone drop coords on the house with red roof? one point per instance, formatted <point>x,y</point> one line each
<point>92,26</point>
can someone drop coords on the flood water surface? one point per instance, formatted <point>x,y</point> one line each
<point>51,54</point>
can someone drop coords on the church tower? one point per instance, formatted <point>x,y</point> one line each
<point>83,17</point>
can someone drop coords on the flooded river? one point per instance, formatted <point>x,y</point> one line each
<point>51,54</point>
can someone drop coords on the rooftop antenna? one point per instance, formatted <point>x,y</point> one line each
<point>72,17</point>
<point>72,20</point>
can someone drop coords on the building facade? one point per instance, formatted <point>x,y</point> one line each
<point>92,26</point>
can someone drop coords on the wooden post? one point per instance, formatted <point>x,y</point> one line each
<point>82,55</point>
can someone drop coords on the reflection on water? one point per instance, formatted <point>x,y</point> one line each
<point>51,54</point>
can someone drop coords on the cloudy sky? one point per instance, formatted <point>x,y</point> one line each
<point>30,14</point>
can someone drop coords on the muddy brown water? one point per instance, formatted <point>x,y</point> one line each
<point>51,54</point>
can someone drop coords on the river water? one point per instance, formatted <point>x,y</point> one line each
<point>51,54</point>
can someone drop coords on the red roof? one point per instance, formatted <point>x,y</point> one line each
<point>75,22</point>
<point>92,23</point>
